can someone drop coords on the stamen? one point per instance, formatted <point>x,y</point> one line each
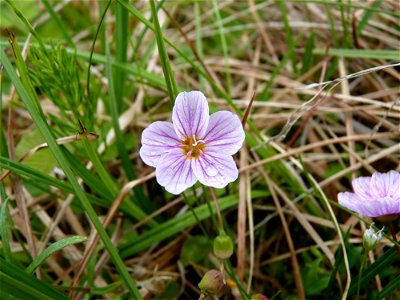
<point>196,142</point>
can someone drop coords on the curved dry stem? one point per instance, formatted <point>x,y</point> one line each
<point>94,239</point>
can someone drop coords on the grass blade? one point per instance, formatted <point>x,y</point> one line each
<point>121,51</point>
<point>224,46</point>
<point>360,53</point>
<point>58,22</point>
<point>171,227</point>
<point>15,283</point>
<point>39,120</point>
<point>57,246</point>
<point>5,241</point>
<point>164,59</point>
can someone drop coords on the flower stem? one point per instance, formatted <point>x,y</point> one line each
<point>219,217</point>
<point>363,260</point>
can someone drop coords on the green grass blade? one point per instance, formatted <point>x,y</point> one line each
<point>223,45</point>
<point>289,36</point>
<point>350,4</point>
<point>264,94</point>
<point>5,241</point>
<point>199,42</point>
<point>112,102</point>
<point>392,287</point>
<point>345,25</point>
<point>57,246</point>
<point>164,59</point>
<point>141,200</point>
<point>368,14</point>
<point>384,261</point>
<point>25,21</point>
<point>92,49</point>
<point>173,226</point>
<point>42,180</point>
<point>31,106</point>
<point>360,53</point>
<point>200,71</point>
<point>15,283</point>
<point>106,179</point>
<point>307,57</point>
<point>121,51</point>
<point>331,20</point>
<point>58,22</point>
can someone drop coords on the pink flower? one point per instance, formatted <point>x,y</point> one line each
<point>195,146</point>
<point>374,196</point>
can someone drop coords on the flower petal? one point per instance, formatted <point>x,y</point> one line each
<point>381,207</point>
<point>369,208</point>
<point>362,187</point>
<point>174,172</point>
<point>190,115</point>
<point>157,139</point>
<point>386,184</point>
<point>351,201</point>
<point>215,171</point>
<point>225,133</point>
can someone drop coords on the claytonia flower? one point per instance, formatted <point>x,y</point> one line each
<point>374,196</point>
<point>195,146</point>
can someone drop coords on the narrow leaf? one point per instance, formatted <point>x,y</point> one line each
<point>54,248</point>
<point>15,283</point>
<point>4,215</point>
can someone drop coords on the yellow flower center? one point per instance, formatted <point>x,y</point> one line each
<point>193,146</point>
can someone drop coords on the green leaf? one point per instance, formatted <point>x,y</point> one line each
<point>164,59</point>
<point>5,242</point>
<point>42,160</point>
<point>122,37</point>
<point>15,283</point>
<point>7,17</point>
<point>360,53</point>
<point>54,248</point>
<point>195,249</point>
<point>392,287</point>
<point>39,179</point>
<point>172,227</point>
<point>313,281</point>
<point>386,260</point>
<point>53,14</point>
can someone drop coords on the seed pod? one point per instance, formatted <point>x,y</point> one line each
<point>223,246</point>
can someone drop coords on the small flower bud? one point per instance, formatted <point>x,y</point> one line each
<point>371,238</point>
<point>223,246</point>
<point>211,282</point>
<point>258,297</point>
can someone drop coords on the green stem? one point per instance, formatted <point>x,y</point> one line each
<point>208,202</point>
<point>224,46</point>
<point>363,260</point>
<point>169,78</point>
<point>219,216</point>
<point>97,164</point>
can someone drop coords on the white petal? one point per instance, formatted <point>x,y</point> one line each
<point>386,184</point>
<point>190,115</point>
<point>215,171</point>
<point>362,187</point>
<point>174,172</point>
<point>225,133</point>
<point>157,139</point>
